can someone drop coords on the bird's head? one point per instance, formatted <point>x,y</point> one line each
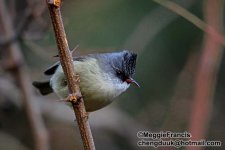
<point>123,66</point>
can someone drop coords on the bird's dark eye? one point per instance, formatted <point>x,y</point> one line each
<point>117,70</point>
<point>119,73</point>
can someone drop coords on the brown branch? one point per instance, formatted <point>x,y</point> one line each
<point>69,71</point>
<point>19,71</point>
<point>206,74</point>
<point>25,20</point>
<point>32,12</point>
<point>38,9</point>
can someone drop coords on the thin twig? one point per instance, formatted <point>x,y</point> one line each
<point>38,9</point>
<point>193,19</point>
<point>29,15</point>
<point>66,61</point>
<point>19,71</point>
<point>26,19</point>
<point>206,74</point>
<point>74,50</point>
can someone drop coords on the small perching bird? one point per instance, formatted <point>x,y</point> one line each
<point>102,78</point>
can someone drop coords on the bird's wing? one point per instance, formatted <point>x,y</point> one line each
<point>51,70</point>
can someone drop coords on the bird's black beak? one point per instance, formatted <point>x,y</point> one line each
<point>132,81</point>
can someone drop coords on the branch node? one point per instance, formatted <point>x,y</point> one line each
<point>55,3</point>
<point>73,98</point>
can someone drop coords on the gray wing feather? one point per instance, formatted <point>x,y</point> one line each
<point>51,70</point>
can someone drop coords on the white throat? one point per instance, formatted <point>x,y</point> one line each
<point>114,85</point>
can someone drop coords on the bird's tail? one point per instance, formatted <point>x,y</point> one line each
<point>44,87</point>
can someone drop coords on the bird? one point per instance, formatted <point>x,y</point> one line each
<point>103,77</point>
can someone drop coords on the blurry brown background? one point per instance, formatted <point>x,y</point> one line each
<point>180,68</point>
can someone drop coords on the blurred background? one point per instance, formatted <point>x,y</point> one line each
<point>180,68</point>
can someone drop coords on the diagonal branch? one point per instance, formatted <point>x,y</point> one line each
<point>206,74</point>
<point>193,19</point>
<point>151,20</point>
<point>19,71</point>
<point>72,80</point>
<point>24,22</point>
